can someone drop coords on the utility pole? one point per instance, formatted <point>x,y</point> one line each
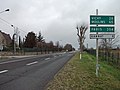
<point>14,46</point>
<point>14,40</point>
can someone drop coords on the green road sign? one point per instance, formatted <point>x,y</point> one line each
<point>101,29</point>
<point>101,20</point>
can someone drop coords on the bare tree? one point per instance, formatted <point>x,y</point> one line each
<point>81,35</point>
<point>109,43</point>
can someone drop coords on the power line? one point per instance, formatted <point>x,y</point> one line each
<point>5,21</point>
<point>11,24</point>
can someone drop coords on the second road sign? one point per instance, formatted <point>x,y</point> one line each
<point>101,29</point>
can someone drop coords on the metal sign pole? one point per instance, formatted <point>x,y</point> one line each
<point>97,65</point>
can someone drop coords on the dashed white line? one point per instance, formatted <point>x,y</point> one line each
<point>32,63</point>
<point>47,58</point>
<point>3,71</point>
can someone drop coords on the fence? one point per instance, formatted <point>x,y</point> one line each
<point>28,51</point>
<point>110,56</point>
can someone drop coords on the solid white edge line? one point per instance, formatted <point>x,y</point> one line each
<point>3,71</point>
<point>13,61</point>
<point>32,63</point>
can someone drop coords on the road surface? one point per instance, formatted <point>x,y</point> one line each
<point>32,73</point>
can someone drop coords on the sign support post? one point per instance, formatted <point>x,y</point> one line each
<point>97,65</point>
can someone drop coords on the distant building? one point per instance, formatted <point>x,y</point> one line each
<point>5,39</point>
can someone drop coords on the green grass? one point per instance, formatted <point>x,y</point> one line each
<point>80,75</point>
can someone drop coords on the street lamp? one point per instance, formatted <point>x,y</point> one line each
<point>15,37</point>
<point>59,45</point>
<point>14,46</point>
<point>5,10</point>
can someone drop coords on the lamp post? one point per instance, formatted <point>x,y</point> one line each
<point>5,10</point>
<point>15,37</point>
<point>14,42</point>
<point>58,45</point>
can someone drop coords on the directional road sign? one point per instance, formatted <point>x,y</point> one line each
<point>101,29</point>
<point>102,20</point>
<point>102,36</point>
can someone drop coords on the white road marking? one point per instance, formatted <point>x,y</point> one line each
<point>13,61</point>
<point>3,71</point>
<point>47,58</point>
<point>32,63</point>
<point>9,61</point>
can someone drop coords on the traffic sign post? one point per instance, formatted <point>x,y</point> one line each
<point>101,20</point>
<point>97,64</point>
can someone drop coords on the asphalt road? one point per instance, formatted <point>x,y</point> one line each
<point>31,73</point>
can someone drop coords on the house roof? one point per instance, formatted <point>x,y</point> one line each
<point>7,37</point>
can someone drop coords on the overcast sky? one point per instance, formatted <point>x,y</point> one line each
<point>56,19</point>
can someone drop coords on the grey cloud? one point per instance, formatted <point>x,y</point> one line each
<point>57,19</point>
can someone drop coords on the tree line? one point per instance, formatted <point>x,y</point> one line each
<point>32,42</point>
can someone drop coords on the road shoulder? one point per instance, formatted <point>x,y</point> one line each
<point>80,75</point>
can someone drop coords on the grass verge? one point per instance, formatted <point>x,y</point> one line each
<point>80,75</point>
